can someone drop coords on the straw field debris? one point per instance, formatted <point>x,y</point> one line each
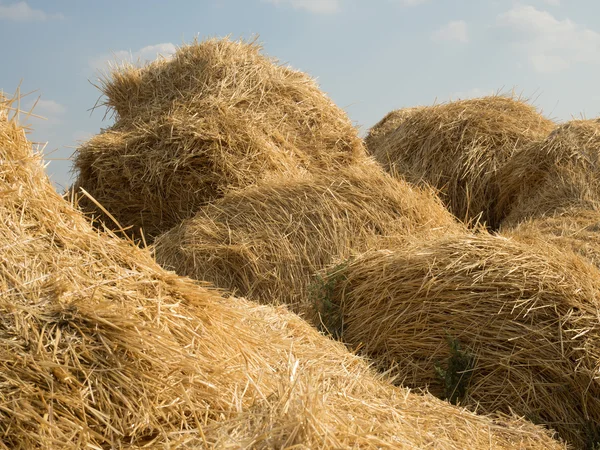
<point>101,348</point>
<point>494,324</point>
<point>219,114</point>
<point>458,148</point>
<point>557,174</point>
<point>267,241</point>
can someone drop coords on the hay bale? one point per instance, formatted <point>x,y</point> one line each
<point>491,323</point>
<point>576,230</point>
<point>552,176</point>
<point>552,190</point>
<point>101,348</point>
<point>379,132</point>
<point>266,242</point>
<point>458,147</point>
<point>219,114</point>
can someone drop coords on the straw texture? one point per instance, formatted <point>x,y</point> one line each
<point>552,190</point>
<point>486,321</point>
<point>101,348</point>
<point>559,173</point>
<point>267,242</point>
<point>575,229</point>
<point>379,133</point>
<point>219,114</point>
<point>458,148</point>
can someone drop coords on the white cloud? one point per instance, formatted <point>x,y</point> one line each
<point>550,44</point>
<point>49,107</point>
<point>45,108</point>
<point>140,57</point>
<point>22,12</point>
<point>313,6</point>
<point>452,31</point>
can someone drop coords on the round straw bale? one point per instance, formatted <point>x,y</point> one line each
<point>562,172</point>
<point>381,130</point>
<point>219,114</point>
<point>101,348</point>
<point>485,321</point>
<point>267,241</point>
<point>458,148</point>
<point>576,230</point>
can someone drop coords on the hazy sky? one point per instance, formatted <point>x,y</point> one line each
<point>370,56</point>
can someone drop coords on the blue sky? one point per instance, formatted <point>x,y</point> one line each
<point>370,56</point>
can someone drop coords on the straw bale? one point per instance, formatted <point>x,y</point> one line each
<point>552,190</point>
<point>219,114</point>
<point>101,348</point>
<point>458,147</point>
<point>549,177</point>
<point>576,230</point>
<point>379,132</point>
<point>267,241</point>
<point>483,320</point>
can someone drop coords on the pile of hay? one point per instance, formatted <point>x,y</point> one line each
<point>552,190</point>
<point>101,348</point>
<point>560,173</point>
<point>574,229</point>
<point>266,242</point>
<point>219,114</point>
<point>494,324</point>
<point>379,132</point>
<point>458,147</point>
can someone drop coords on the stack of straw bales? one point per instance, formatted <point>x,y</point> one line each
<point>101,348</point>
<point>266,242</point>
<point>458,147</point>
<point>219,114</point>
<point>551,190</point>
<point>493,323</point>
